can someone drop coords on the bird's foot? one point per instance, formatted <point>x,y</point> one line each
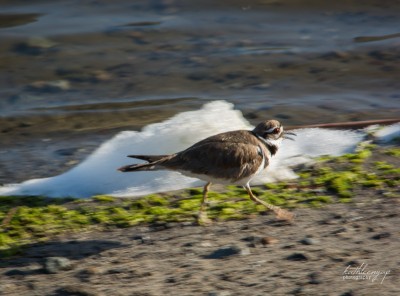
<point>282,214</point>
<point>203,220</point>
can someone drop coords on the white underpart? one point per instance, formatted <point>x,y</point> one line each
<point>246,181</point>
<point>273,142</point>
<point>98,175</point>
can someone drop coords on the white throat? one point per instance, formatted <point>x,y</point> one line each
<point>274,142</point>
<point>271,142</point>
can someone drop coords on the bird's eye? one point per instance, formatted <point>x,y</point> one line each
<point>276,131</point>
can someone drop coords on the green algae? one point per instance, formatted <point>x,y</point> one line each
<point>28,220</point>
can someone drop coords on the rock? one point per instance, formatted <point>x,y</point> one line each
<point>268,240</point>
<point>66,151</point>
<point>49,86</point>
<point>206,244</point>
<point>219,293</point>
<point>298,291</point>
<point>382,55</point>
<point>309,241</point>
<point>339,230</point>
<point>34,46</point>
<point>348,293</point>
<point>252,240</point>
<point>15,272</point>
<point>256,240</point>
<point>197,76</point>
<point>143,239</point>
<point>85,274</point>
<point>171,280</point>
<point>56,264</point>
<point>101,75</point>
<point>77,290</point>
<point>117,270</point>
<point>71,162</point>
<point>228,251</point>
<point>336,55</point>
<point>381,235</point>
<point>297,257</point>
<point>262,86</point>
<point>315,278</point>
<point>40,42</point>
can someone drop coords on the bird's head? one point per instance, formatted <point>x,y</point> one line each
<point>271,131</point>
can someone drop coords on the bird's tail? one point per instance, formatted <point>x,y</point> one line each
<point>153,163</point>
<point>149,158</point>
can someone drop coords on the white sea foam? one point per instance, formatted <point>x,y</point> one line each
<point>388,133</point>
<point>98,174</point>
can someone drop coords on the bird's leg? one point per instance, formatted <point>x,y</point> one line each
<point>280,213</point>
<point>202,218</point>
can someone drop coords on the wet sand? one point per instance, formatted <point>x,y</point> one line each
<point>257,256</point>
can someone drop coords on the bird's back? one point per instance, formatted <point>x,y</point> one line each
<point>231,156</point>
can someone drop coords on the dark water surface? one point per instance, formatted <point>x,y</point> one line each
<point>79,71</point>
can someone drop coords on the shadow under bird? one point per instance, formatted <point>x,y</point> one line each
<point>234,157</point>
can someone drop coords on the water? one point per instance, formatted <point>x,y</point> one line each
<point>75,73</point>
<point>281,58</point>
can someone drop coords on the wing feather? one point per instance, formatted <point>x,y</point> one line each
<point>219,159</point>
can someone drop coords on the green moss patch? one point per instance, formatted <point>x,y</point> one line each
<point>370,172</point>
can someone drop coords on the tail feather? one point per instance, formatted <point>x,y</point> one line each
<point>154,162</point>
<point>138,167</point>
<point>149,158</point>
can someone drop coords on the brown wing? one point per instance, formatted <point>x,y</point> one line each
<point>233,155</point>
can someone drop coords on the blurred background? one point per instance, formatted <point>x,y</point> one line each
<point>74,73</point>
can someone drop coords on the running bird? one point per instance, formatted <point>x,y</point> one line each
<point>233,157</point>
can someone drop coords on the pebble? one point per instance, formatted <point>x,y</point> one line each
<point>101,75</point>
<point>78,290</point>
<point>171,280</point>
<point>66,151</point>
<point>206,244</point>
<point>72,162</point>
<point>219,293</point>
<point>56,264</point>
<point>348,293</point>
<point>85,274</point>
<point>381,235</point>
<point>143,239</point>
<point>49,86</point>
<point>315,278</point>
<point>297,257</point>
<point>262,86</point>
<point>268,240</point>
<point>340,230</point>
<point>40,42</point>
<point>309,241</point>
<point>228,251</point>
<point>336,54</point>
<point>35,45</point>
<point>15,272</point>
<point>256,240</point>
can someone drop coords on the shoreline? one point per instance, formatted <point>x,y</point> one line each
<point>27,156</point>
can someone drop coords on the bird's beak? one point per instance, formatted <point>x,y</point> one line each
<point>285,135</point>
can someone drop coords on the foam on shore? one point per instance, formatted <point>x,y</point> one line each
<point>98,173</point>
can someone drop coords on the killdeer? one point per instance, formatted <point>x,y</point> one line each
<point>233,157</point>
